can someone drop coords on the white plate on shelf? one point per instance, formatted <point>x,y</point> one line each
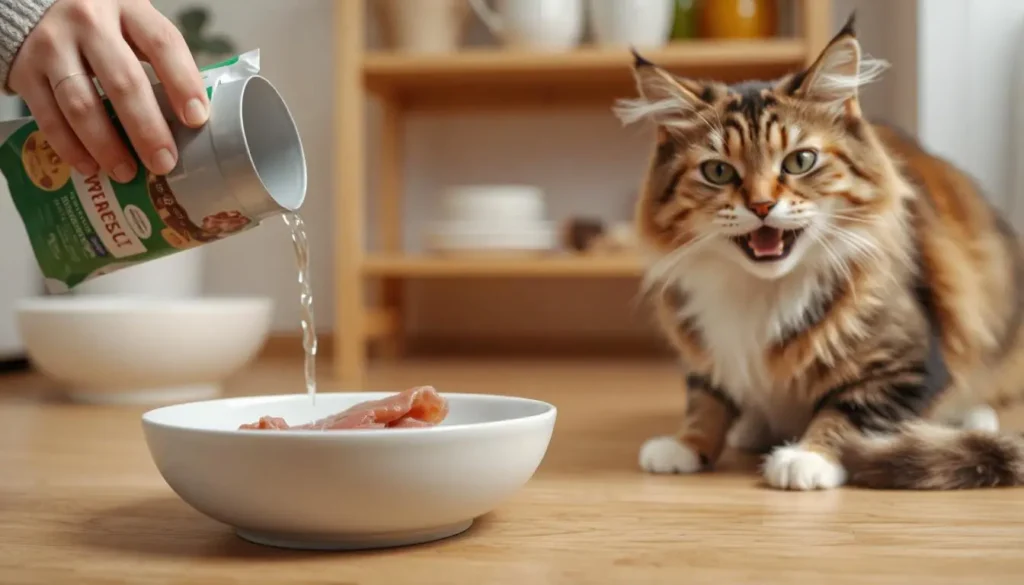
<point>452,236</point>
<point>349,489</point>
<point>493,203</point>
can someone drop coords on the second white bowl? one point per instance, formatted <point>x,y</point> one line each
<point>112,349</point>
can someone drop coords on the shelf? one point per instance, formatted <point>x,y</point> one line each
<point>506,76</point>
<point>486,80</point>
<point>552,266</point>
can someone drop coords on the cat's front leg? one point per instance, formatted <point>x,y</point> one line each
<point>813,463</point>
<point>710,413</point>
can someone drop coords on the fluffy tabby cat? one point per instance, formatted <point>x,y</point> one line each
<point>834,292</point>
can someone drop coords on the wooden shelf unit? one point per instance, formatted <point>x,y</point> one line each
<point>502,77</point>
<point>554,265</point>
<point>487,78</point>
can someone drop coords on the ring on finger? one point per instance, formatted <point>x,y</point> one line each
<point>81,104</point>
<point>55,85</point>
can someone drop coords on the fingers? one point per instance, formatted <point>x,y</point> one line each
<point>39,98</point>
<point>79,38</point>
<point>164,48</point>
<point>125,83</point>
<point>83,109</point>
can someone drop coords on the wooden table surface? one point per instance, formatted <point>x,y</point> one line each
<point>81,503</point>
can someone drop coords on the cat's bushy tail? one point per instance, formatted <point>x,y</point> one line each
<point>928,456</point>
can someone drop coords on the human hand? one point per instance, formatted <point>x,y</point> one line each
<point>107,38</point>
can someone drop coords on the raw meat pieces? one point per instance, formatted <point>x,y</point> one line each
<point>416,407</point>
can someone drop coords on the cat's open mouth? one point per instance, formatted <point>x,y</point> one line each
<point>767,244</point>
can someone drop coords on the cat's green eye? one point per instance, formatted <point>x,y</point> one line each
<point>718,172</point>
<point>799,162</point>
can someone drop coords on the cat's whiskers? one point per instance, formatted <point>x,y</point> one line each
<point>850,218</point>
<point>836,262</point>
<point>868,248</point>
<point>664,266</point>
<point>861,245</point>
<point>856,241</point>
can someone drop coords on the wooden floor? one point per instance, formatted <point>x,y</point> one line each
<point>80,502</point>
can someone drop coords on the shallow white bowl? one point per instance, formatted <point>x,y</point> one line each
<point>493,204</point>
<point>452,236</point>
<point>109,349</point>
<point>351,489</point>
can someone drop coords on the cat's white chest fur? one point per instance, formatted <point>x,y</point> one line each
<point>740,317</point>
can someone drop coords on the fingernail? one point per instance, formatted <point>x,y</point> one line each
<point>124,172</point>
<point>195,112</point>
<point>163,161</point>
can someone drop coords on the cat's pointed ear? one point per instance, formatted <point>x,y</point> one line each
<point>663,97</point>
<point>654,83</point>
<point>840,70</point>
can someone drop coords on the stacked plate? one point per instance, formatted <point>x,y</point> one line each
<point>492,218</point>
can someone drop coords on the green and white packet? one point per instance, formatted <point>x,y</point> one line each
<point>81,227</point>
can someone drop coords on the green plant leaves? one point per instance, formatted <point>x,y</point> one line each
<point>191,23</point>
<point>193,20</point>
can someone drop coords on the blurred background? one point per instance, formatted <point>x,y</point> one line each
<point>492,186</point>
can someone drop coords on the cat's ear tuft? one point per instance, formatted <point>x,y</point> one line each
<point>638,60</point>
<point>849,28</point>
<point>662,96</point>
<point>840,70</point>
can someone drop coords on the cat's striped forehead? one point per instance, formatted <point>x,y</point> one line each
<point>752,116</point>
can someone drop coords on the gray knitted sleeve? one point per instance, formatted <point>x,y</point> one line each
<point>17,19</point>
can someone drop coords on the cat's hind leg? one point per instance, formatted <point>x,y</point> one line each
<point>981,418</point>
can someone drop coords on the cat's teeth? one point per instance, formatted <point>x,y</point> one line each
<point>777,251</point>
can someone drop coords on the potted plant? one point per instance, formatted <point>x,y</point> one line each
<point>206,49</point>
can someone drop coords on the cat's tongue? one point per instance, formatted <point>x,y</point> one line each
<point>766,241</point>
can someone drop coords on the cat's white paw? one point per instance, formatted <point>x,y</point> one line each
<point>795,468</point>
<point>981,418</point>
<point>668,455</point>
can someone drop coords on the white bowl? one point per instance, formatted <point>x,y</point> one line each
<point>110,349</point>
<point>350,489</point>
<point>453,236</point>
<point>493,204</point>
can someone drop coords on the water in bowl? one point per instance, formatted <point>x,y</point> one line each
<point>301,245</point>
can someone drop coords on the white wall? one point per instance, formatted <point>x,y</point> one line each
<point>584,160</point>
<point>968,76</point>
<point>887,29</point>
<point>294,39</point>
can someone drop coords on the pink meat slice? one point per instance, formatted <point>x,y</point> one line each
<point>411,423</point>
<point>421,406</point>
<point>267,423</point>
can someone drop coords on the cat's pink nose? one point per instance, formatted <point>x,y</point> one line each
<point>762,209</point>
